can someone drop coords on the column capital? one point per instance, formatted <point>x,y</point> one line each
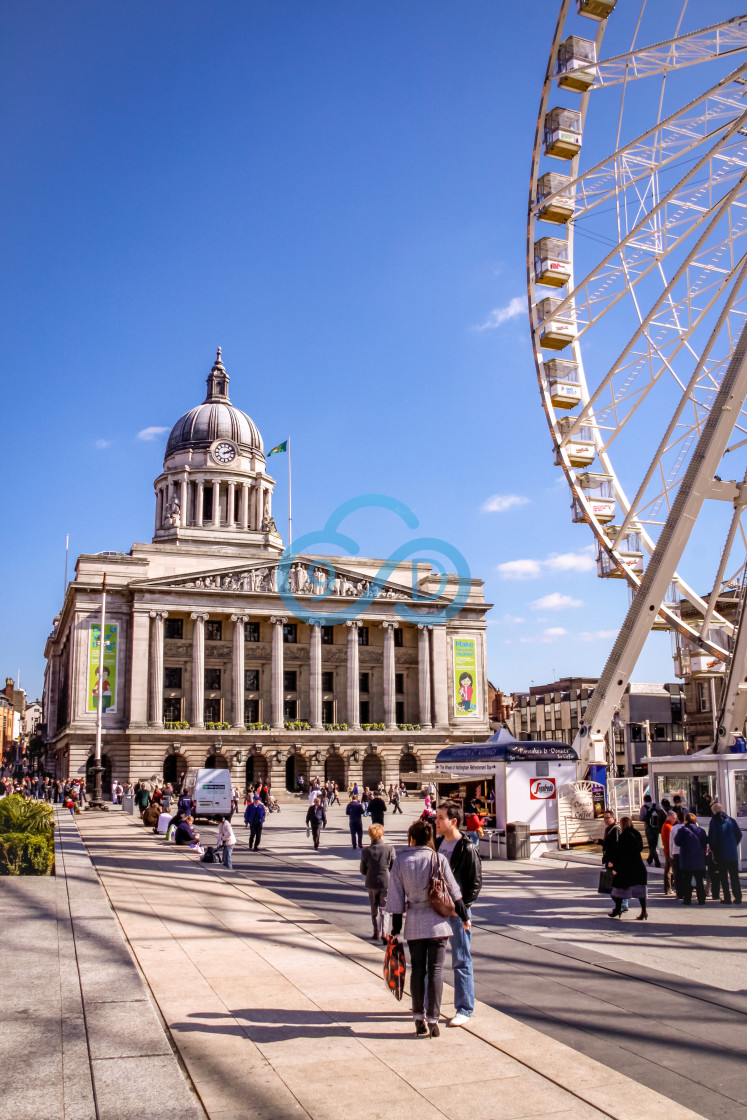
<point>201,615</point>
<point>317,620</point>
<point>425,626</point>
<point>158,614</point>
<point>388,624</point>
<point>278,619</point>
<point>240,618</point>
<point>354,623</point>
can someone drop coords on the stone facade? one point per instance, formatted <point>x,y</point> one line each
<point>227,652</point>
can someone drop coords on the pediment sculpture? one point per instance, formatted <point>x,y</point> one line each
<point>272,578</point>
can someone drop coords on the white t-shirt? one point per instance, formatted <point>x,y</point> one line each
<point>226,834</point>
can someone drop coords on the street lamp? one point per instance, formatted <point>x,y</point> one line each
<point>97,801</point>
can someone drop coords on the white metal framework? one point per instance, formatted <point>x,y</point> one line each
<point>637,257</point>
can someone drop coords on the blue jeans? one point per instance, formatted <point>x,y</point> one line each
<point>227,850</point>
<point>461,962</point>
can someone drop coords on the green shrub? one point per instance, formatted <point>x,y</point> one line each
<point>18,815</point>
<point>22,853</point>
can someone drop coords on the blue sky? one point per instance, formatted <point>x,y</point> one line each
<point>336,194</point>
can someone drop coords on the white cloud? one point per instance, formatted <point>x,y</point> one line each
<point>499,503</point>
<point>520,569</point>
<point>583,561</point>
<point>511,620</point>
<point>499,315</point>
<point>100,444</point>
<point>596,635</point>
<point>553,632</point>
<point>555,602</point>
<point>151,433</point>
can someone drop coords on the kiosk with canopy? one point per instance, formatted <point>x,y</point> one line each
<point>521,780</point>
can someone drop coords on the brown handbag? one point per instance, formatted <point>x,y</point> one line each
<point>438,892</point>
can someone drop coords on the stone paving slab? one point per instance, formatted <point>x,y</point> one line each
<point>278,1013</point>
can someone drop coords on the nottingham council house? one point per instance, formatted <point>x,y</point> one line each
<point>222,649</point>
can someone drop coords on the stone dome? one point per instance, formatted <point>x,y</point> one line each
<point>216,418</point>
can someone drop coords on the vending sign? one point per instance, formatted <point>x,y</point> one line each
<point>542,789</point>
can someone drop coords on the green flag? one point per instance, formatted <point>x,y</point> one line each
<point>280,447</point>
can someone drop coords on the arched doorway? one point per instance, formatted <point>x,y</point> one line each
<point>106,777</point>
<point>174,768</point>
<point>257,769</point>
<point>295,768</point>
<point>372,770</point>
<point>334,769</point>
<point>216,762</point>
<point>408,770</point>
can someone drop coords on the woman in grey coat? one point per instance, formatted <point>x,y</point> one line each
<point>426,932</point>
<point>376,863</point>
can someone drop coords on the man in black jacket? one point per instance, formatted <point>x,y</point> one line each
<point>467,870</point>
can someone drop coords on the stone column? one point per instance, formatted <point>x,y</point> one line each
<point>278,622</point>
<point>158,508</point>
<point>354,716</point>
<point>198,669</point>
<point>230,503</point>
<point>139,669</point>
<point>389,693</point>
<point>184,501</point>
<point>200,502</point>
<point>440,677</point>
<point>239,623</point>
<point>216,503</point>
<point>315,682</point>
<point>156,667</point>
<point>424,675</point>
<point>245,505</point>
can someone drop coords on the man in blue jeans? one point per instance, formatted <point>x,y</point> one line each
<point>467,870</point>
<point>354,811</point>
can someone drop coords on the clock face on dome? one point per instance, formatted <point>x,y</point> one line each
<point>224,452</point>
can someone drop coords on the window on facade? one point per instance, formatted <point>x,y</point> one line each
<point>328,635</point>
<point>172,709</point>
<point>328,682</point>
<point>399,637</point>
<point>290,680</point>
<point>399,711</point>
<point>290,633</point>
<point>236,503</point>
<point>364,708</point>
<point>703,696</point>
<point>251,680</point>
<point>399,681</point>
<point>659,731</point>
<point>251,711</point>
<point>207,505</point>
<point>328,711</point>
<point>290,709</point>
<point>172,676</point>
<point>213,631</point>
<point>364,682</point>
<point>212,680</point>
<point>362,635</point>
<point>174,628</point>
<point>251,632</point>
<point>740,794</point>
<point>212,711</point>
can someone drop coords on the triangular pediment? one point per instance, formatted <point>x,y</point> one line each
<point>298,579</point>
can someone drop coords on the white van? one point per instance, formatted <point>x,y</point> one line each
<point>211,792</point>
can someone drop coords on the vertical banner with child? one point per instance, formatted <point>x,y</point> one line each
<point>107,687</point>
<point>465,677</point>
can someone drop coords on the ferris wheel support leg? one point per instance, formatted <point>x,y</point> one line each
<point>697,485</point>
<point>733,709</point>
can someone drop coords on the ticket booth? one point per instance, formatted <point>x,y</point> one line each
<point>525,776</point>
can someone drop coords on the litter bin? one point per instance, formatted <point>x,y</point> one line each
<point>128,803</point>
<point>517,841</point>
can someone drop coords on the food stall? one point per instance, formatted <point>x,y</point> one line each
<point>520,779</point>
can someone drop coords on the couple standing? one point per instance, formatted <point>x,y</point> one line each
<point>452,855</point>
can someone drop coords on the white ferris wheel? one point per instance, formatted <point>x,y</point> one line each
<point>637,261</point>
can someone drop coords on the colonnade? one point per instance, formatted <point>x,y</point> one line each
<point>190,493</point>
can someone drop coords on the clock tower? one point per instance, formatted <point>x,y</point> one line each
<point>214,489</point>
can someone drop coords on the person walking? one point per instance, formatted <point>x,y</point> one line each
<point>255,817</point>
<point>724,838</point>
<point>376,809</point>
<point>467,870</point>
<point>396,799</point>
<point>316,819</point>
<point>609,843</point>
<point>426,932</point>
<point>226,841</point>
<point>652,816</point>
<point>142,798</point>
<point>335,795</point>
<point>679,814</point>
<point>691,842</point>
<point>666,832</point>
<point>376,863</point>
<point>629,870</point>
<point>365,800</point>
<point>354,812</point>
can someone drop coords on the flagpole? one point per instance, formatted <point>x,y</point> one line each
<point>67,546</point>
<point>290,522</point>
<point>97,801</point>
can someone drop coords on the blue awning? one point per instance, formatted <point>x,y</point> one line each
<point>502,747</point>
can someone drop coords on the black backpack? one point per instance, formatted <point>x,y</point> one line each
<point>654,819</point>
<point>210,856</point>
